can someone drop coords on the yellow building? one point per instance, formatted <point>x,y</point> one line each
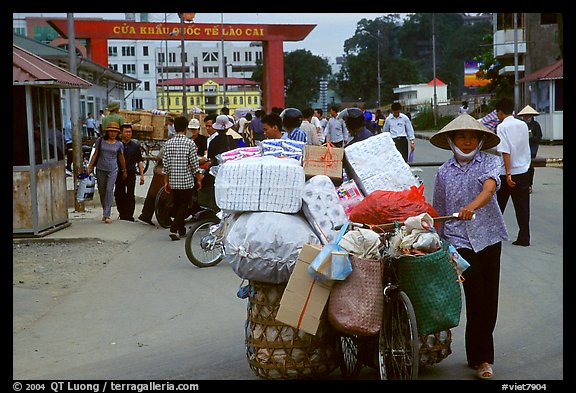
<point>209,94</point>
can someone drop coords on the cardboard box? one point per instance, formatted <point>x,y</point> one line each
<point>304,298</point>
<point>320,160</point>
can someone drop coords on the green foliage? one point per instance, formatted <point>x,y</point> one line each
<point>406,54</point>
<point>425,120</point>
<point>302,74</point>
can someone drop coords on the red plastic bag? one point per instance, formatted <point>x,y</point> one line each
<point>383,207</point>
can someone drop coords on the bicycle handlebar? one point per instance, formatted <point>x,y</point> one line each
<point>454,216</point>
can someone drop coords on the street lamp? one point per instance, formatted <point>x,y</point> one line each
<point>378,59</point>
<point>223,59</point>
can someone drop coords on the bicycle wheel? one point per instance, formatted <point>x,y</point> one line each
<point>398,343</point>
<point>203,249</point>
<point>163,208</point>
<point>349,360</point>
<point>144,153</point>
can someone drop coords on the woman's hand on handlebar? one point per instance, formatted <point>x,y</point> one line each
<point>466,214</point>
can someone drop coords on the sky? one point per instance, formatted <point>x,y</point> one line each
<point>325,40</point>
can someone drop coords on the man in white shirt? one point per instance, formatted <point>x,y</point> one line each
<point>308,127</point>
<point>400,128</point>
<point>514,148</point>
<point>336,131</point>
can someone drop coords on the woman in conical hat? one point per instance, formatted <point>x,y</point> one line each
<point>466,184</point>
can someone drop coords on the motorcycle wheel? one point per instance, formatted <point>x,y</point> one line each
<point>163,208</point>
<point>199,249</point>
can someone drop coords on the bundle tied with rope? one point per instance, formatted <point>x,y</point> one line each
<point>323,160</point>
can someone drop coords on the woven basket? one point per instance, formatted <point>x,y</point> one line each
<point>431,283</point>
<point>278,351</point>
<point>434,347</point>
<point>355,305</point>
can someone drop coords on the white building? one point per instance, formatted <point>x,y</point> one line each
<point>422,94</point>
<point>151,61</point>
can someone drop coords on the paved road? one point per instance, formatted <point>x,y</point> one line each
<point>150,314</point>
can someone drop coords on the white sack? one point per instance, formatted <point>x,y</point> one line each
<point>264,246</point>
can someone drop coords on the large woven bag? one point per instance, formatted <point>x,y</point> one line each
<point>431,283</point>
<point>355,304</point>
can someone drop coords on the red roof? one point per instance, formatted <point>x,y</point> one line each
<point>29,69</point>
<point>199,81</point>
<point>552,71</point>
<point>438,82</point>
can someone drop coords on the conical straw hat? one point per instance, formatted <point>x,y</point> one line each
<point>528,110</point>
<point>464,122</point>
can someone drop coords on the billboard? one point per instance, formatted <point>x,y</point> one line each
<point>470,70</point>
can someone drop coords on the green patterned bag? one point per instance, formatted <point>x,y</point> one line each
<point>431,283</point>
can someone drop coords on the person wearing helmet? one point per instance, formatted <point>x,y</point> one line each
<point>355,123</point>
<point>291,120</point>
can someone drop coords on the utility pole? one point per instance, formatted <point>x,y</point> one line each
<point>74,114</point>
<point>516,85</point>
<point>183,54</point>
<point>223,59</point>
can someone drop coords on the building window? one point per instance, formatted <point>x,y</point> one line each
<point>236,56</point>
<point>147,86</point>
<point>258,55</point>
<point>128,51</point>
<point>177,100</point>
<point>137,103</point>
<point>113,67</point>
<point>210,56</point>
<point>146,68</point>
<point>247,56</point>
<point>129,68</point>
<point>112,51</point>
<point>145,50</point>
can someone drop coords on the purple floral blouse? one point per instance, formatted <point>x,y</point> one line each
<point>454,187</point>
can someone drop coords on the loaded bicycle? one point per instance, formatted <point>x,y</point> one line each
<point>395,350</point>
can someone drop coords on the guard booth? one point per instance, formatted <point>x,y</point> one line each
<point>39,196</point>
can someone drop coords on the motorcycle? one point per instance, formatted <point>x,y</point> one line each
<point>204,243</point>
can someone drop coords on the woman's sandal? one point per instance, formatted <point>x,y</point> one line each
<point>484,372</point>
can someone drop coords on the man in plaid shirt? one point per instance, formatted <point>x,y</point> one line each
<point>181,169</point>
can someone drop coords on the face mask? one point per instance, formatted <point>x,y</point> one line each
<point>461,157</point>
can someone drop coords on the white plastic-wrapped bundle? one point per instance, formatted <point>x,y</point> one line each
<point>260,184</point>
<point>322,207</point>
<point>376,164</point>
<point>264,246</point>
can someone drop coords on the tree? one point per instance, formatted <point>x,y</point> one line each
<point>302,74</point>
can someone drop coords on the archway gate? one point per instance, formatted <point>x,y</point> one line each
<point>98,32</point>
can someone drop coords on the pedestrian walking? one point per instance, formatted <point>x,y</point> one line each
<point>113,115</point>
<point>309,128</point>
<point>534,137</point>
<point>182,173</point>
<point>400,128</point>
<point>155,185</point>
<point>124,189</point>
<point>90,125</point>
<point>108,159</point>
<point>336,131</point>
<point>514,149</point>
<point>466,184</point>
<point>464,108</point>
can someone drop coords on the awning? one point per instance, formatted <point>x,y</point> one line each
<point>552,71</point>
<point>29,69</point>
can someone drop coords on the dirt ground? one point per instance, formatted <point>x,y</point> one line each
<point>59,266</point>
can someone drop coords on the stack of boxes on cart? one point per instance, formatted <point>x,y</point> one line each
<point>285,201</point>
